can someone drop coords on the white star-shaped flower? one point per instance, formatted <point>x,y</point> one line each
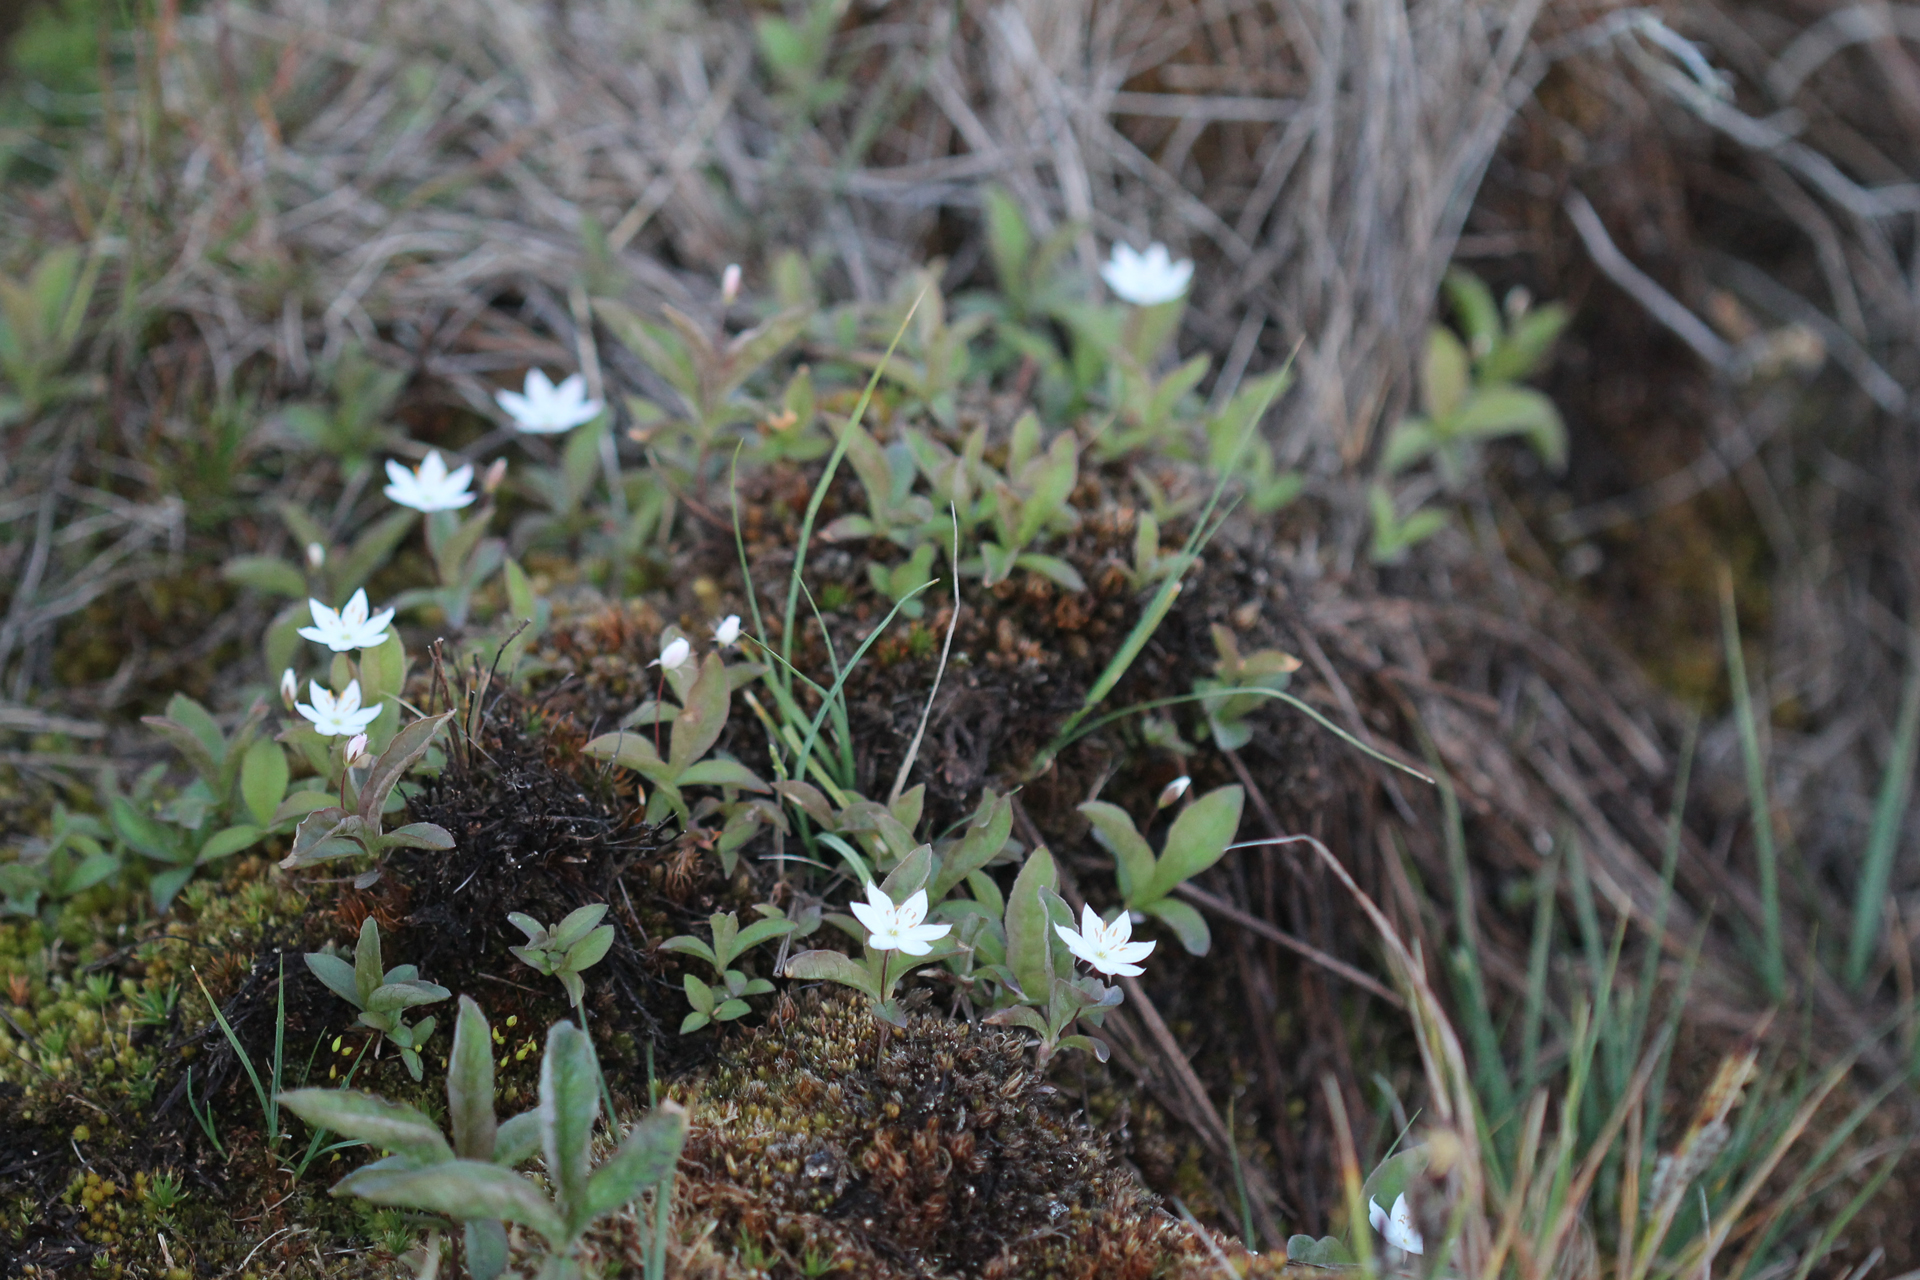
<point>348,629</point>
<point>891,927</point>
<point>547,410</point>
<point>1397,1226</point>
<point>1105,946</point>
<point>340,717</point>
<point>674,656</point>
<point>1146,279</point>
<point>727,630</point>
<point>432,487</point>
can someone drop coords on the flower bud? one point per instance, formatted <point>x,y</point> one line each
<point>1173,791</point>
<point>289,688</point>
<point>496,473</point>
<point>730,284</point>
<point>356,752</point>
<point>316,556</point>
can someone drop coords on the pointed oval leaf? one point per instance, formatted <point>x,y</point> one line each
<point>831,966</point>
<point>590,950</point>
<point>391,1126</point>
<point>335,974</point>
<point>517,1139</point>
<point>263,780</point>
<point>569,1104</point>
<point>470,1083</point>
<point>466,1190</point>
<point>1198,839</point>
<point>646,1158</point>
<point>701,721</point>
<point>1187,924</point>
<point>1029,952</point>
<point>401,754</point>
<point>1133,857</point>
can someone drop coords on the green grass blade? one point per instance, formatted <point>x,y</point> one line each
<point>1876,868</point>
<point>813,729</point>
<point>1545,902</point>
<point>826,480</point>
<point>1772,961</point>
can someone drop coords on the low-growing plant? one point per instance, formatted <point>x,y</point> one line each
<point>1226,709</point>
<point>236,800</point>
<point>357,825</point>
<point>382,995</point>
<point>1029,963</point>
<point>696,727</point>
<point>568,949</point>
<point>1198,838</point>
<point>71,859</point>
<point>472,1181</point>
<point>726,1000</point>
<point>892,919</point>
<point>1471,395</point>
<point>41,322</point>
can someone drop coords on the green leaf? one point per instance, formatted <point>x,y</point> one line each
<point>1444,373</point>
<point>693,1022</point>
<point>1526,345</point>
<point>1411,440</point>
<point>1133,857</point>
<point>699,994</point>
<point>184,711</point>
<point>336,975</point>
<point>985,836</point>
<point>721,773</point>
<point>701,721</point>
<point>391,1126</point>
<point>266,573</point>
<point>1499,411</point>
<point>758,932</point>
<point>1052,567</point>
<point>486,1246</point>
<point>1009,242</point>
<point>369,975</point>
<point>590,950</point>
<point>629,750</point>
<point>911,875</point>
<point>1199,838</point>
<point>263,779</point>
<point>645,1158</point>
<point>1087,1044</point>
<point>1020,1015</point>
<point>687,944</point>
<point>383,669</point>
<point>517,1139</point>
<point>832,966</point>
<point>1029,953</point>
<point>166,884</point>
<point>1473,303</point>
<point>577,925</point>
<point>729,1010</point>
<point>1327,1251</point>
<point>569,1104</point>
<point>419,835</point>
<point>323,835</point>
<point>227,842</point>
<point>405,751</point>
<point>1187,924</point>
<point>390,997</point>
<point>144,834</point>
<point>466,1190</point>
<point>469,1083</point>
